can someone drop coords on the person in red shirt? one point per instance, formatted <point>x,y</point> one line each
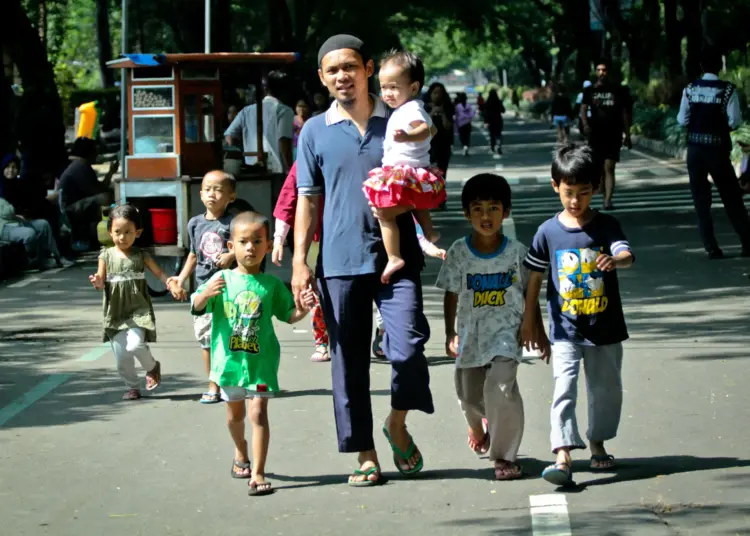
<point>286,206</point>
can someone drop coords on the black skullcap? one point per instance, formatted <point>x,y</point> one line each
<point>341,41</point>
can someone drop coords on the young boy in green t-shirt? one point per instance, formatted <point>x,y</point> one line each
<point>245,352</point>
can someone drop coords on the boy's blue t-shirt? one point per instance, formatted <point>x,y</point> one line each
<point>583,302</point>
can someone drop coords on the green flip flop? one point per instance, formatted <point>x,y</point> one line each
<point>366,483</point>
<point>398,453</point>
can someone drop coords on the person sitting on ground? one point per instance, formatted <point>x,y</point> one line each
<point>28,194</point>
<point>35,235</point>
<point>83,195</point>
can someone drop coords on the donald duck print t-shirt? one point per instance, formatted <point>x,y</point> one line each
<point>583,302</point>
<point>490,289</point>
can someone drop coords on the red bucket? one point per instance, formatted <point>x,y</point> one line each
<point>164,225</point>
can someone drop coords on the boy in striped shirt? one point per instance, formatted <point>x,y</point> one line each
<point>583,250</point>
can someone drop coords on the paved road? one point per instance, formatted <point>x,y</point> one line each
<point>76,460</point>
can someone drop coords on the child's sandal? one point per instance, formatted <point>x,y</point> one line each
<point>153,377</point>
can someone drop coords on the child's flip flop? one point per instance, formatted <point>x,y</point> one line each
<point>241,465</point>
<point>555,474</point>
<point>210,398</point>
<point>254,489</point>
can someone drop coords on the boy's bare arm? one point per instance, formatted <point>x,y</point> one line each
<point>607,263</point>
<point>187,270</point>
<point>450,305</point>
<point>531,312</point>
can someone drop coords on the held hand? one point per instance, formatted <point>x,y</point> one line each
<point>605,263</point>
<point>627,142</point>
<point>96,281</point>
<point>451,346</point>
<point>308,299</point>
<point>113,167</point>
<point>542,345</point>
<point>436,252</point>
<point>224,261</point>
<point>175,288</point>
<point>215,287</point>
<point>278,254</point>
<point>527,337</point>
<point>302,280</point>
<point>587,130</point>
<point>400,136</point>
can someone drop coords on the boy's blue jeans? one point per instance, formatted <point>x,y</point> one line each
<point>603,366</point>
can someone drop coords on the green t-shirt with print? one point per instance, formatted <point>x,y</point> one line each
<point>244,349</point>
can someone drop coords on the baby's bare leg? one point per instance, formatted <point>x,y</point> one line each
<point>425,221</point>
<point>392,242</point>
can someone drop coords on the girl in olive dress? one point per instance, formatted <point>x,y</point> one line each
<point>129,322</point>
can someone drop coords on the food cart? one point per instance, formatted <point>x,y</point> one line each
<point>175,124</point>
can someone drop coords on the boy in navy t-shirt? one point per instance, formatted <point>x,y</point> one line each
<point>582,249</point>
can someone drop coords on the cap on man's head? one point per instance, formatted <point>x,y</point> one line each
<point>341,41</point>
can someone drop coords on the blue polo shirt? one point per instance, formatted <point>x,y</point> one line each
<point>333,160</point>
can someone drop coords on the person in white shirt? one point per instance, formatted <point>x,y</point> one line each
<point>405,178</point>
<point>278,127</point>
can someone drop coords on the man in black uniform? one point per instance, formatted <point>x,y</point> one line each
<point>710,109</point>
<point>609,105</point>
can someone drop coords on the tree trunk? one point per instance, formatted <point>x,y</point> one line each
<point>43,22</point>
<point>673,41</point>
<point>694,32</point>
<point>41,129</point>
<point>136,15</point>
<point>104,43</point>
<point>221,24</point>
<point>7,121</point>
<point>280,26</point>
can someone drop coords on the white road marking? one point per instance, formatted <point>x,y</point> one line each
<point>549,515</point>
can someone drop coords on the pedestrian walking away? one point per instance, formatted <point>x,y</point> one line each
<point>493,120</point>
<point>336,156</point>
<point>710,108</point>
<point>464,115</point>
